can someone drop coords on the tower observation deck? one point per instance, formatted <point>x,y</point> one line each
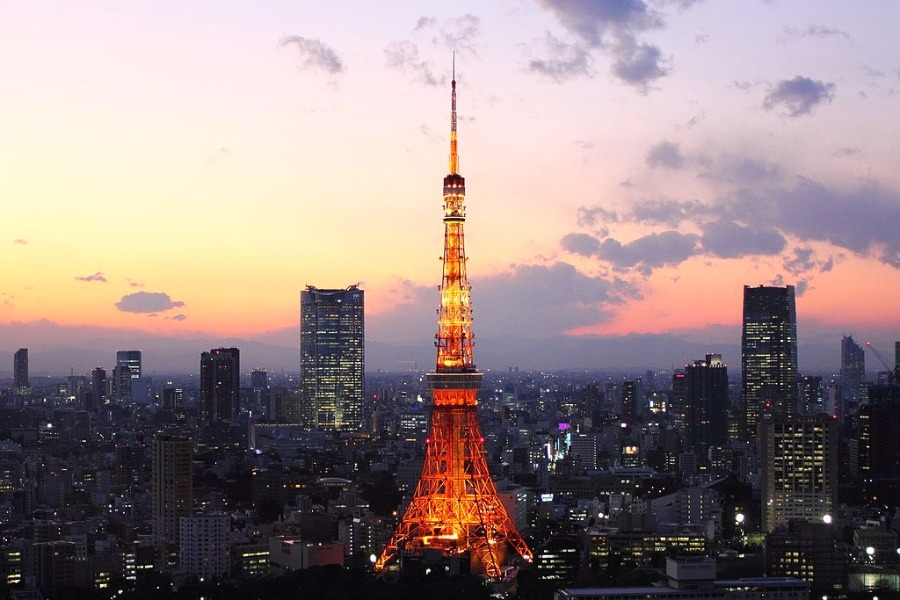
<point>455,508</point>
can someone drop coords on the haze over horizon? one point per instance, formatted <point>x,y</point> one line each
<point>183,171</point>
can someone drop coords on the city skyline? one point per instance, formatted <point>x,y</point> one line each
<point>676,166</point>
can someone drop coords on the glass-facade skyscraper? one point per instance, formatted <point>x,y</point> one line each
<point>853,374</point>
<point>128,367</point>
<point>768,354</point>
<point>332,358</point>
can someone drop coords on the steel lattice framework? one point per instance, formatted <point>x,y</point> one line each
<point>455,507</point>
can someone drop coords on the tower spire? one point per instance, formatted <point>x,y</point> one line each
<point>454,157</point>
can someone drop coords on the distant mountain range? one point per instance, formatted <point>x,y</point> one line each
<point>630,353</point>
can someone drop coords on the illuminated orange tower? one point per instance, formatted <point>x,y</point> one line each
<point>455,508</point>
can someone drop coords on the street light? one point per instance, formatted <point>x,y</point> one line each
<point>739,525</point>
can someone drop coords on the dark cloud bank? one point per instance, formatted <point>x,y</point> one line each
<point>612,28</point>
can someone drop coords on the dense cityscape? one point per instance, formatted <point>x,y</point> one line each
<point>111,477</point>
<point>706,481</point>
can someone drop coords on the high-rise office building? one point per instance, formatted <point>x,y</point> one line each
<point>768,354</point>
<point>20,369</point>
<point>259,386</point>
<point>204,548</point>
<point>172,485</point>
<point>629,401</point>
<point>853,374</point>
<point>799,457</point>
<point>332,358</point>
<point>98,386</point>
<point>220,383</point>
<point>127,369</point>
<point>173,399</point>
<point>259,379</point>
<point>704,409</point>
<point>810,395</point>
<point>878,441</point>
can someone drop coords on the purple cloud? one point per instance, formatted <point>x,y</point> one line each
<point>314,54</point>
<point>581,244</point>
<point>96,277</point>
<point>404,56</point>
<point>649,252</point>
<point>665,154</point>
<point>563,61</point>
<point>588,216</point>
<point>147,302</point>
<point>798,96</point>
<point>613,26</point>
<point>727,239</point>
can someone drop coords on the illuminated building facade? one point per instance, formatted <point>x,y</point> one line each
<point>332,358</point>
<point>220,383</point>
<point>250,559</point>
<point>559,558</point>
<point>293,554</point>
<point>799,477</point>
<point>768,354</point>
<point>455,509</point>
<point>810,398</point>
<point>640,548</point>
<point>127,369</point>
<point>807,550</point>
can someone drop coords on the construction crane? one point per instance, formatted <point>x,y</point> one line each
<point>891,370</point>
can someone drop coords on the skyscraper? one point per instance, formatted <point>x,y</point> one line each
<point>853,374</point>
<point>705,405</point>
<point>629,401</point>
<point>220,383</point>
<point>455,511</point>
<point>98,386</point>
<point>127,369</point>
<point>20,369</point>
<point>332,358</point>
<point>768,354</point>
<point>172,485</point>
<point>879,441</point>
<point>259,385</point>
<point>259,379</point>
<point>799,468</point>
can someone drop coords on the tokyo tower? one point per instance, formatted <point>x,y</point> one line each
<point>455,508</point>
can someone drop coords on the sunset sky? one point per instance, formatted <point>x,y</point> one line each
<point>187,168</point>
